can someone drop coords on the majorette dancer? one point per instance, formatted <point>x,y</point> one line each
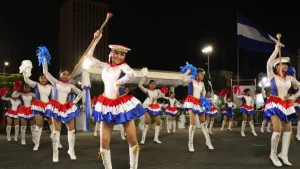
<point>11,112</point>
<point>266,94</point>
<point>171,110</point>
<point>25,113</point>
<point>42,91</point>
<point>151,105</point>
<point>212,113</point>
<point>246,109</point>
<point>229,114</point>
<point>280,107</point>
<point>59,108</point>
<point>114,106</point>
<point>196,103</point>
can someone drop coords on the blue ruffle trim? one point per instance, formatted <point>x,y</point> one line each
<point>120,118</point>
<point>229,115</point>
<point>49,113</point>
<point>297,108</point>
<point>211,115</point>
<point>243,110</point>
<point>171,114</point>
<point>26,118</point>
<point>275,111</point>
<point>35,112</point>
<point>194,110</point>
<point>154,113</point>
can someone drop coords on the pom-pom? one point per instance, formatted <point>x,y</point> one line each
<point>193,69</point>
<point>290,71</point>
<point>144,72</point>
<point>3,91</point>
<point>224,92</point>
<point>164,89</point>
<point>17,85</point>
<point>26,67</point>
<point>94,100</point>
<point>42,53</point>
<point>205,103</point>
<point>237,89</point>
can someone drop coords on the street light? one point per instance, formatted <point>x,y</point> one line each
<point>5,64</point>
<point>264,82</point>
<point>207,50</point>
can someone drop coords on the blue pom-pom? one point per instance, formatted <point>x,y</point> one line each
<point>42,53</point>
<point>205,103</point>
<point>290,71</point>
<point>193,72</point>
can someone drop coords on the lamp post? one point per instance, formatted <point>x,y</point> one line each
<point>264,82</point>
<point>5,64</point>
<point>207,50</point>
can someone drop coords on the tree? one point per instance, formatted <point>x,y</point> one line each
<point>7,81</point>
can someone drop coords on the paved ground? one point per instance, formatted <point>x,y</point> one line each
<point>231,151</point>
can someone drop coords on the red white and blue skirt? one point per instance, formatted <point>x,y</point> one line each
<point>172,111</point>
<point>263,111</point>
<point>25,112</point>
<point>192,103</point>
<point>38,107</point>
<point>297,105</point>
<point>247,109</point>
<point>213,111</point>
<point>119,110</point>
<point>12,113</point>
<point>284,109</point>
<point>154,109</point>
<point>61,112</point>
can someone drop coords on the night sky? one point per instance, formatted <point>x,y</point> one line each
<point>162,36</point>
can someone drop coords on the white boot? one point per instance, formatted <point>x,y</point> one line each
<point>55,140</point>
<point>269,127</point>
<point>207,137</point>
<point>17,127</point>
<point>23,130</point>
<point>122,132</point>
<point>223,125</point>
<point>230,125</point>
<point>8,129</point>
<point>298,131</point>
<point>106,158</point>
<point>274,145</point>
<point>38,133</point>
<point>51,130</point>
<point>168,127</point>
<point>134,156</point>
<point>144,134</point>
<point>96,129</point>
<point>252,128</point>
<point>210,127</point>
<point>157,129</point>
<point>32,128</point>
<point>263,124</point>
<point>286,140</point>
<point>207,122</point>
<point>191,138</point>
<point>243,128</point>
<point>174,125</point>
<point>71,140</point>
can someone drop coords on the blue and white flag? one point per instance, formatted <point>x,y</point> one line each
<point>252,38</point>
<point>210,88</point>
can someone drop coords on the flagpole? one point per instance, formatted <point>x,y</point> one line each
<point>237,52</point>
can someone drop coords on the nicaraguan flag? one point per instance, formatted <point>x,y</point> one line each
<point>252,38</point>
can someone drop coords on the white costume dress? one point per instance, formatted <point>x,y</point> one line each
<point>171,108</point>
<point>25,107</point>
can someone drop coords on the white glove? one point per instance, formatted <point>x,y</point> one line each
<point>144,72</point>
<point>26,67</point>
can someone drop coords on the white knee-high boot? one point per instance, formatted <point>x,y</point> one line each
<point>134,156</point>
<point>32,128</point>
<point>207,137</point>
<point>23,132</point>
<point>156,140</point>
<point>55,142</point>
<point>274,145</point>
<point>211,124</point>
<point>223,125</point>
<point>17,127</point>
<point>251,123</point>
<point>71,140</point>
<point>144,134</point>
<point>263,124</point>
<point>8,130</point>
<point>243,128</point>
<point>286,140</point>
<point>191,138</point>
<point>106,158</point>
<point>174,125</point>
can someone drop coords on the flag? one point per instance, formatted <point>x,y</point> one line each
<point>252,38</point>
<point>210,88</point>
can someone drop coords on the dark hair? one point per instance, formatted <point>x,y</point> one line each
<point>64,69</point>
<point>171,93</point>
<point>25,84</point>
<point>42,74</point>
<point>228,98</point>
<point>267,89</point>
<point>151,81</point>
<point>246,90</point>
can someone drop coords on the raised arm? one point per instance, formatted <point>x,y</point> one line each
<point>95,63</point>
<point>270,72</point>
<point>143,79</point>
<point>5,98</point>
<point>129,75</point>
<point>186,78</point>
<point>78,92</point>
<point>28,81</point>
<point>51,79</point>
